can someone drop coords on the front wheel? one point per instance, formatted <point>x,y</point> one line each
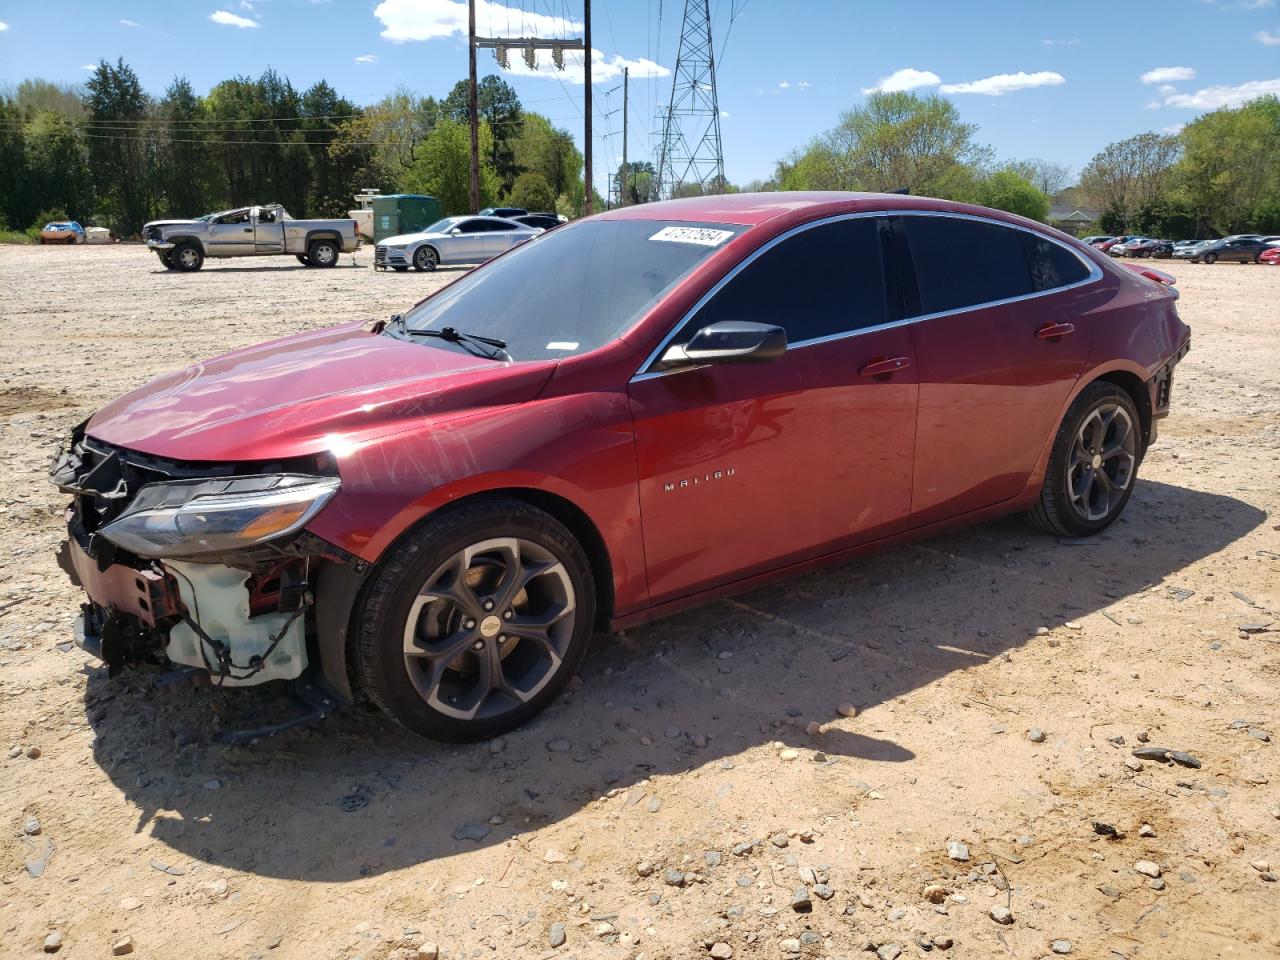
<point>187,256</point>
<point>1093,464</point>
<point>166,258</point>
<point>477,622</point>
<point>303,259</point>
<point>426,259</point>
<point>1210,258</point>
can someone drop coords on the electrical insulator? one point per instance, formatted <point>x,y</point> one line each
<point>501,53</point>
<point>531,56</point>
<point>557,56</point>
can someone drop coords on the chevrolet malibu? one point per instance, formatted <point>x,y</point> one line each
<point>633,413</point>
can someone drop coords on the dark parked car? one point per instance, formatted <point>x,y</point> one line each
<point>1149,248</point>
<point>1239,249</point>
<point>544,221</point>
<point>507,212</point>
<point>638,412</point>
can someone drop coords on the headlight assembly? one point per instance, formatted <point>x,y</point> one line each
<point>189,518</point>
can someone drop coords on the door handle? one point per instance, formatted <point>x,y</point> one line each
<point>1055,331</point>
<point>883,369</point>
<point>248,229</point>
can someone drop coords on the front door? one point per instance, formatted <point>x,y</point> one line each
<point>231,235</point>
<point>1001,336</point>
<point>745,468</point>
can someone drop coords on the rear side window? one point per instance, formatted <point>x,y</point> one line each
<point>962,263</point>
<point>1052,265</point>
<point>822,281</point>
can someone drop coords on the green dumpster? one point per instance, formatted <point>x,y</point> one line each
<point>399,213</point>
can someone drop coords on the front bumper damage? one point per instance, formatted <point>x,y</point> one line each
<point>159,245</point>
<point>242,618</point>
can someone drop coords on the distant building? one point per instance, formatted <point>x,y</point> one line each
<point>1073,220</point>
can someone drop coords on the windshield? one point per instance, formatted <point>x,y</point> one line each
<point>442,226</point>
<point>573,289</point>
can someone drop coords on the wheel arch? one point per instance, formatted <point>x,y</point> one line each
<point>1136,388</point>
<point>427,245</point>
<point>335,635</point>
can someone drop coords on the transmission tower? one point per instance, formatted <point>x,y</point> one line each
<point>690,153</point>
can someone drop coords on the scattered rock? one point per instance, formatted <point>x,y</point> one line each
<point>53,942</point>
<point>789,753</point>
<point>813,728</point>
<point>554,856</point>
<point>673,877</point>
<point>471,831</point>
<point>644,868</point>
<point>790,945</point>
<point>122,946</point>
<point>1147,868</point>
<point>559,746</point>
<point>130,903</point>
<point>1262,866</point>
<point>823,892</point>
<point>1134,764</point>
<point>936,893</point>
<point>556,935</point>
<point>942,942</point>
<point>721,951</point>
<point>32,827</point>
<point>1156,883</point>
<point>888,951</point>
<point>429,951</point>
<point>847,710</point>
<point>33,752</point>
<point>742,849</point>
<point>1060,946</point>
<point>1167,755</point>
<point>1146,830</point>
<point>800,901</point>
<point>1001,914</point>
<point>957,851</point>
<point>1036,735</point>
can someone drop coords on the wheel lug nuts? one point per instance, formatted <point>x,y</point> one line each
<point>488,604</point>
<point>479,645</point>
<point>469,624</point>
<point>507,615</point>
<point>502,638</point>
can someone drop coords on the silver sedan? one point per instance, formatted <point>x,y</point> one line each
<point>452,240</point>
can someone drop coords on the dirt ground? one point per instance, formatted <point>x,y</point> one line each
<point>620,813</point>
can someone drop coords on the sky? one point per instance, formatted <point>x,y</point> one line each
<point>1057,80</point>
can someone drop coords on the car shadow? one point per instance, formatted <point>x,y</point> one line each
<point>692,691</point>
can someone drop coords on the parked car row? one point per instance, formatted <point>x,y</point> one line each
<point>1240,248</point>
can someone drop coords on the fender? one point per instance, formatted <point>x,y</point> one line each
<point>323,233</point>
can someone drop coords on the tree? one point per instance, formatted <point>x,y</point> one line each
<point>1046,176</point>
<point>185,174</point>
<point>1230,171</point>
<point>532,192</point>
<point>636,183</point>
<point>443,167</point>
<point>379,144</point>
<point>1130,173</point>
<point>1006,190</point>
<point>498,106</point>
<point>57,166</point>
<point>548,150</point>
<point>119,159</point>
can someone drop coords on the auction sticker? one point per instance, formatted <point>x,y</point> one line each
<point>703,236</point>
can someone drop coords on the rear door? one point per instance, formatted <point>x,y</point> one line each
<point>502,237</point>
<point>1001,335</point>
<point>268,230</point>
<point>744,468</point>
<point>469,245</point>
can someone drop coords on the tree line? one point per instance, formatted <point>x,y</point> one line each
<point>111,154</point>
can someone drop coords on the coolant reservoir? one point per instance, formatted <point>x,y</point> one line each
<point>217,599</point>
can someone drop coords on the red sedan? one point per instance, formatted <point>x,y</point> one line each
<point>1271,256</point>
<point>631,414</point>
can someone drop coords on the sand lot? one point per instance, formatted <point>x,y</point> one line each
<point>343,841</point>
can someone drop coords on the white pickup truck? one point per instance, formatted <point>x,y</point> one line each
<point>250,232</point>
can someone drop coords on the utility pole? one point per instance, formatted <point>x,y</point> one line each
<point>475,112</point>
<point>587,205</point>
<point>626,171</point>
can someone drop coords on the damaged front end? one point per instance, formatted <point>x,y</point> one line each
<point>203,566</point>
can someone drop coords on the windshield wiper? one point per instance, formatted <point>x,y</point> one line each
<point>450,335</point>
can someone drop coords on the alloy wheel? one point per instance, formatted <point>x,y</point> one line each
<point>489,628</point>
<point>323,254</point>
<point>1103,460</point>
<point>188,257</point>
<point>426,259</point>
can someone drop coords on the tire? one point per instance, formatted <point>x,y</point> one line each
<point>303,259</point>
<point>187,257</point>
<point>166,258</point>
<point>1085,490</point>
<point>1210,258</point>
<point>426,259</point>
<point>416,652</point>
<point>323,253</point>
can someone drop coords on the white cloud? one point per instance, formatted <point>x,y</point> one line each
<point>784,84</point>
<point>3,26</point>
<point>367,58</point>
<point>1173,129</point>
<point>1167,88</point>
<point>1003,83</point>
<point>602,68</point>
<point>908,78</point>
<point>804,84</point>
<point>231,20</point>
<point>1074,41</point>
<point>88,66</point>
<point>1211,98</point>
<point>1267,38</point>
<point>1168,74</point>
<point>406,20</point>
<point>724,114</point>
<point>131,23</point>
<point>1153,105</point>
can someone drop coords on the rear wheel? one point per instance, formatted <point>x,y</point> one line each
<point>426,259</point>
<point>477,622</point>
<point>1093,464</point>
<point>322,253</point>
<point>1210,258</point>
<point>187,256</point>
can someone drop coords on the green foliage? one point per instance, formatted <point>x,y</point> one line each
<point>1169,217</point>
<point>1006,190</point>
<point>499,107</point>
<point>548,150</point>
<point>14,236</point>
<point>1131,173</point>
<point>532,192</point>
<point>1112,221</point>
<point>120,161</point>
<point>1230,171</point>
<point>635,183</point>
<point>442,167</point>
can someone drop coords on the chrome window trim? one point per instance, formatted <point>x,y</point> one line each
<point>644,373</point>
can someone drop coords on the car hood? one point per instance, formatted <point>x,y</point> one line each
<point>323,390</point>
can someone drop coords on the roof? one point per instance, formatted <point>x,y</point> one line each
<point>1065,213</point>
<point>751,209</point>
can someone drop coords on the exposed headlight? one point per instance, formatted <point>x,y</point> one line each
<point>187,518</point>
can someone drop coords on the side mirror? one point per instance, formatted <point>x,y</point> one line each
<point>455,232</point>
<point>729,341</point>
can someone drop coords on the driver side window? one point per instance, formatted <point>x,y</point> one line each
<point>823,281</point>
